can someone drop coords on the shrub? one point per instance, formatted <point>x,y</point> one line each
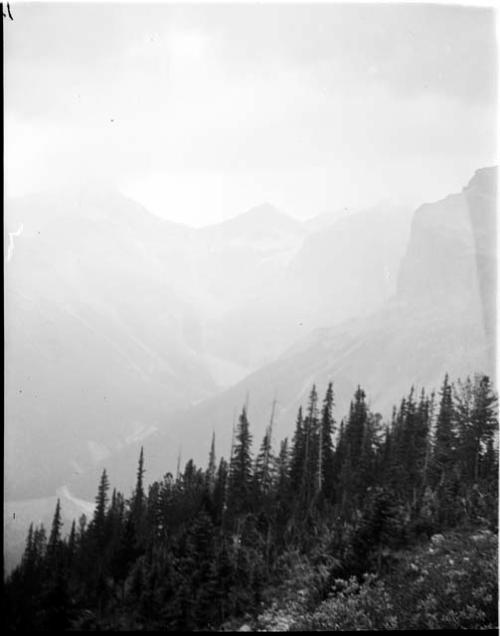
<point>450,583</point>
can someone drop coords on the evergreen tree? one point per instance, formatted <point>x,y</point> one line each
<point>240,471</point>
<point>309,484</point>
<point>283,470</point>
<point>29,556</point>
<point>54,544</point>
<point>298,455</point>
<point>444,469</point>
<point>445,440</point>
<point>138,499</point>
<point>211,466</point>
<point>220,490</point>
<point>476,412</point>
<point>356,443</point>
<point>326,474</point>
<point>264,467</point>
<point>99,519</point>
<point>72,546</point>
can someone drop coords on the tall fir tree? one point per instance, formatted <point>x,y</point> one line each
<point>211,466</point>
<point>326,474</point>
<point>240,470</point>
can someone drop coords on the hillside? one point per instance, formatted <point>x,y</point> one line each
<point>116,319</point>
<point>329,533</point>
<point>100,344</point>
<point>439,319</point>
<point>448,582</point>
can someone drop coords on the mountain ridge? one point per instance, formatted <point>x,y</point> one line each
<point>406,342</point>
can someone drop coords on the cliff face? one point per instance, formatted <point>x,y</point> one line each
<point>450,259</point>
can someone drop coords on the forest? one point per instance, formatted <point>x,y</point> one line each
<point>350,524</point>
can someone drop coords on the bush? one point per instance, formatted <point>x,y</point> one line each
<point>450,583</point>
<point>453,584</point>
<point>353,606</point>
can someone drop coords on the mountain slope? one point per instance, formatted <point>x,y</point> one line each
<point>438,321</point>
<point>99,342</point>
<point>344,270</point>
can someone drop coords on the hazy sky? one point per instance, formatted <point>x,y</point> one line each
<point>201,111</point>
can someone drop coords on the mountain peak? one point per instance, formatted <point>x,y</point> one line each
<point>484,179</point>
<point>263,219</point>
<point>263,211</point>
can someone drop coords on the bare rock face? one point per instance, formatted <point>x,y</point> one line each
<point>451,253</point>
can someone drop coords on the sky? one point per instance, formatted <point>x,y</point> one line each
<point>202,111</point>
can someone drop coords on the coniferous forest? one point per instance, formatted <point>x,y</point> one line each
<point>350,524</point>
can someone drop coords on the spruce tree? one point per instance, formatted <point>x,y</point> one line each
<point>283,470</point>
<point>444,468</point>
<point>211,466</point>
<point>138,499</point>
<point>326,465</point>
<point>99,519</point>
<point>264,467</point>
<point>445,439</point>
<point>298,455</point>
<point>220,490</point>
<point>240,471</point>
<point>54,543</point>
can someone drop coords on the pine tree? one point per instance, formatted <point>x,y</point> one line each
<point>138,499</point>
<point>309,484</point>
<point>55,532</point>
<point>29,557</point>
<point>264,464</point>
<point>99,519</point>
<point>138,505</point>
<point>240,471</point>
<point>220,491</point>
<point>358,415</point>
<point>54,544</point>
<point>340,464</point>
<point>283,470</point>
<point>444,467</point>
<point>326,464</point>
<point>484,423</point>
<point>72,546</point>
<point>211,466</point>
<point>298,455</point>
<point>445,439</point>
<point>356,443</point>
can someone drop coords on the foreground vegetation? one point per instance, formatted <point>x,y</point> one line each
<point>357,525</point>
<point>451,583</point>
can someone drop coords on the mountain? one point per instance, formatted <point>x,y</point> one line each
<point>344,270</point>
<point>100,343</point>
<point>120,330</point>
<point>325,219</point>
<point>439,319</point>
<point>261,226</point>
<point>243,256</point>
<point>451,259</point>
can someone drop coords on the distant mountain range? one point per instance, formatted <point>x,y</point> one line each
<point>116,318</point>
<point>123,329</point>
<point>439,318</point>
